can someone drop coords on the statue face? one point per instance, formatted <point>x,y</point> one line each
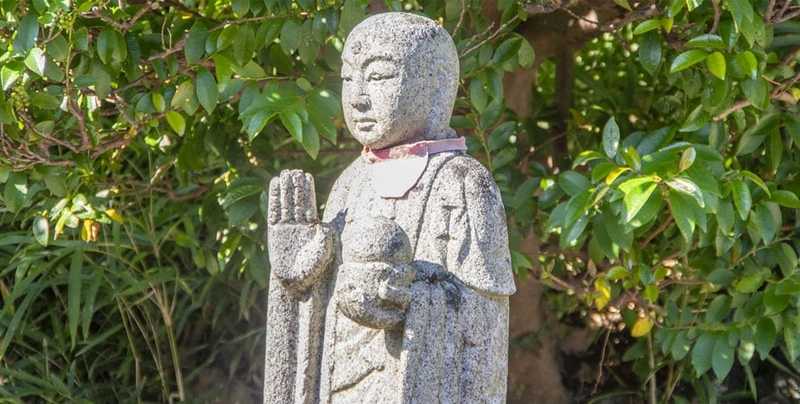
<point>386,94</point>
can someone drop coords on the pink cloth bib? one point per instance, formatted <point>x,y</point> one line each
<point>395,170</point>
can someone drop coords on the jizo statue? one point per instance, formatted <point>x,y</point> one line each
<point>400,293</point>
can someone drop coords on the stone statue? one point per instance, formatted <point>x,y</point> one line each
<point>400,293</point>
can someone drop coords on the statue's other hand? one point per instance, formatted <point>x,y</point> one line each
<point>300,247</point>
<point>395,289</point>
<point>374,294</point>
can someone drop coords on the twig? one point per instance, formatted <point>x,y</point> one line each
<point>785,7</point>
<point>175,49</point>
<point>657,231</point>
<point>789,56</point>
<point>251,19</point>
<point>768,14</point>
<point>788,17</point>
<point>652,364</point>
<point>735,107</point>
<point>717,14</point>
<point>460,17</point>
<point>602,360</point>
<point>547,8</point>
<point>494,35</point>
<point>640,14</point>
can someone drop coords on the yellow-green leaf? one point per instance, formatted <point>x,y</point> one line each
<point>716,65</point>
<point>176,122</point>
<point>641,327</point>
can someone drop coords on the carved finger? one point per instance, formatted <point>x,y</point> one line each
<point>274,214</point>
<point>399,297</point>
<point>403,275</point>
<point>311,207</point>
<point>287,197</point>
<point>300,196</point>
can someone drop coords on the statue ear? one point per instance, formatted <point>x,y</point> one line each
<point>444,89</point>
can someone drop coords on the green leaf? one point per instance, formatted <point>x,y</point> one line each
<point>291,121</point>
<point>722,357</point>
<point>718,309</point>
<point>647,26</point>
<point>756,91</point>
<point>747,62</point>
<point>741,198</point>
<point>786,257</point>
<point>709,41</point>
<point>491,115</point>
<point>500,135</point>
<point>291,33</point>
<point>27,34</point>
<point>702,352</point>
<point>526,55</point>
<point>765,336</point>
<point>478,95</point>
<point>681,346</point>
<point>506,50</point>
<point>196,42</point>
<point>226,37</point>
<point>741,10</point>
<point>693,4</point>
<point>206,89</point>
<point>611,137</point>
<point>687,59</point>
<point>631,158</point>
<point>687,187</point>
<point>754,178</point>
<point>635,200</point>
<point>504,157</point>
<point>176,122</point>
<point>36,61</point>
<point>74,295</point>
<point>15,192</point>
<point>106,42</point>
<point>687,159</point>
<point>750,283</point>
<point>41,230</point>
<point>650,52</point>
<point>682,213</point>
<point>58,48</point>
<point>696,120</point>
<point>716,65</point>
<point>240,7</point>
<point>310,140</point>
<point>573,183</point>
<point>791,335</point>
<point>309,47</point>
<point>352,14</point>
<point>765,222</point>
<point>785,198</point>
<point>624,4</point>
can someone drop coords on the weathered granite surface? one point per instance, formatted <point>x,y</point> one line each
<point>400,293</point>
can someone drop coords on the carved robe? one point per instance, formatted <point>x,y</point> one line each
<point>453,347</point>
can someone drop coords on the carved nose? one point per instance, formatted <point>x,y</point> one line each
<point>361,103</point>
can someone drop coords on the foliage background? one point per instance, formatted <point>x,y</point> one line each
<point>651,155</point>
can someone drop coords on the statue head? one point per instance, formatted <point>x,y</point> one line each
<point>400,78</point>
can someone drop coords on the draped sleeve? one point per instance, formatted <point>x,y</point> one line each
<point>477,246</point>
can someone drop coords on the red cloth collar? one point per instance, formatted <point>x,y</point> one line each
<point>418,149</point>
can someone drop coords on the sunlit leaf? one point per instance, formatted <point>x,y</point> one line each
<point>687,59</point>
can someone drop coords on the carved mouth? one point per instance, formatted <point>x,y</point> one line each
<point>365,124</point>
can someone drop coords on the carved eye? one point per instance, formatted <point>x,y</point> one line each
<point>377,76</point>
<point>347,77</point>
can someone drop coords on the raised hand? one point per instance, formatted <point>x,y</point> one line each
<point>300,247</point>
